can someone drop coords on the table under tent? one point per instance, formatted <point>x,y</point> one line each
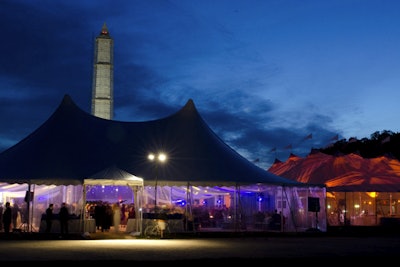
<point>187,208</point>
<point>29,201</point>
<point>246,207</point>
<point>205,184</point>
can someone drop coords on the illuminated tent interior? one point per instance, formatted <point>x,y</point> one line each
<point>75,152</point>
<point>360,191</point>
<point>112,185</point>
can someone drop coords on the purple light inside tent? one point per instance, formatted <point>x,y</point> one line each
<point>109,193</point>
<point>180,202</point>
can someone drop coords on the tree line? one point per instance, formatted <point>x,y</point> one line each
<point>384,143</point>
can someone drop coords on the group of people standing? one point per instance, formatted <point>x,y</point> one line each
<point>12,217</point>
<point>108,215</point>
<point>63,216</point>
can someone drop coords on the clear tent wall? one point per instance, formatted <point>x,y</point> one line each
<point>250,207</point>
<point>187,208</point>
<point>363,208</point>
<point>28,208</point>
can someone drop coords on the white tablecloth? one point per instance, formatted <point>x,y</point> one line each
<point>73,226</point>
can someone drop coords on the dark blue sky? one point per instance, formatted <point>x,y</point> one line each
<point>263,74</point>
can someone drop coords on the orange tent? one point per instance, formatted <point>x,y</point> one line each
<point>351,173</point>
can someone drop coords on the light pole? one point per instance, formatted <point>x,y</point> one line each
<point>157,159</point>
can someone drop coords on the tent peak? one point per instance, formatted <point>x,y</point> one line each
<point>68,103</point>
<point>189,107</point>
<point>190,104</point>
<point>277,161</point>
<point>67,98</point>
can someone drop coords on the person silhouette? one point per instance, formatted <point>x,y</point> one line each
<point>49,218</point>
<point>7,215</point>
<point>64,217</point>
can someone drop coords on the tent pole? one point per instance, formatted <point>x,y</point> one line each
<point>83,212</point>
<point>345,208</point>
<point>28,201</point>
<point>31,208</point>
<point>27,223</point>
<point>187,208</point>
<point>191,211</point>
<point>137,203</point>
<point>235,211</point>
<point>239,217</point>
<point>141,202</point>
<point>376,210</point>
<point>155,193</point>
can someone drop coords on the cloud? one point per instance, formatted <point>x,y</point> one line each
<point>252,71</point>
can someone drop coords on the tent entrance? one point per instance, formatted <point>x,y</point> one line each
<point>113,208</point>
<point>111,197</point>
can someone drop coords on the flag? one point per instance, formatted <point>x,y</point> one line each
<point>308,137</point>
<point>273,149</point>
<point>387,139</point>
<point>335,138</point>
<point>288,146</point>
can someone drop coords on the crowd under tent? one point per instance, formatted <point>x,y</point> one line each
<point>75,157</point>
<point>360,191</point>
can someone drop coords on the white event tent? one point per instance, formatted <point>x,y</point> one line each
<point>74,156</point>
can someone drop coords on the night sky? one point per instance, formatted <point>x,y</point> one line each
<point>265,75</point>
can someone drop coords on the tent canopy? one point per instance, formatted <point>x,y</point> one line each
<point>344,173</point>
<point>113,176</point>
<point>72,145</point>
